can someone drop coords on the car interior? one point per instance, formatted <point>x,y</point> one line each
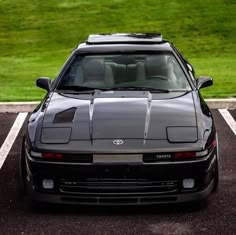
<point>106,71</point>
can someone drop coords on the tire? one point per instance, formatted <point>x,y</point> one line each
<point>22,171</point>
<point>216,173</point>
<point>216,177</point>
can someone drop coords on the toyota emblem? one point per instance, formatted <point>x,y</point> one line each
<point>118,142</point>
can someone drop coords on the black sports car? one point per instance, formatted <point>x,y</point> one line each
<point>123,123</point>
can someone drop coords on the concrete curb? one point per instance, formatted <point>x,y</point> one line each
<point>15,107</point>
<point>222,103</point>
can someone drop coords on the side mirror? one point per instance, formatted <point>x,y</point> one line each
<point>44,83</point>
<point>204,81</point>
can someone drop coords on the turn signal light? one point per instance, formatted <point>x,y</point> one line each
<point>52,155</point>
<point>48,184</point>
<point>214,143</point>
<point>190,155</point>
<point>188,183</point>
<point>184,155</point>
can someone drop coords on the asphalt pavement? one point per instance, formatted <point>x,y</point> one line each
<point>217,217</point>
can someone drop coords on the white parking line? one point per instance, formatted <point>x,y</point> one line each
<point>6,146</point>
<point>229,119</point>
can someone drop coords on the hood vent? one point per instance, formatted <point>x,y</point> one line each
<point>66,116</point>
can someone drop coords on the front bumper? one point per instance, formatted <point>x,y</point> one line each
<point>121,184</point>
<point>127,200</point>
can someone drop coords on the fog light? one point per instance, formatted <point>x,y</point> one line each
<point>188,183</point>
<point>48,184</point>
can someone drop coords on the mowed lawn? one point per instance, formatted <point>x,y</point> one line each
<point>36,37</point>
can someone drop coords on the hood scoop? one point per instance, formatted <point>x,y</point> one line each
<point>66,116</point>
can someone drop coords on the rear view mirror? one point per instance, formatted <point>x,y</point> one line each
<point>44,83</point>
<point>204,81</point>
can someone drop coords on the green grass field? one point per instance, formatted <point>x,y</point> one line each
<point>37,36</point>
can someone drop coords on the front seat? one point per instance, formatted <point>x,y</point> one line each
<point>94,73</point>
<point>156,66</point>
<point>158,69</point>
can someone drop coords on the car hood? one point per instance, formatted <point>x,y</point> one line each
<point>120,115</point>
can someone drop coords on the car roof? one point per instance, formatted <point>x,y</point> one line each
<point>124,42</point>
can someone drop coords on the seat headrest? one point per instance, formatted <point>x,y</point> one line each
<point>93,67</point>
<point>156,64</point>
<point>156,60</point>
<point>124,59</point>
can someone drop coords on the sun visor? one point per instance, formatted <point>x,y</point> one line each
<point>182,134</point>
<point>55,135</point>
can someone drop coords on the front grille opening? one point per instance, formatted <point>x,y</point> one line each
<point>80,200</point>
<point>156,200</point>
<point>113,187</point>
<point>118,200</point>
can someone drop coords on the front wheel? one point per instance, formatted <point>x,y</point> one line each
<point>216,172</point>
<point>22,170</point>
<point>216,177</point>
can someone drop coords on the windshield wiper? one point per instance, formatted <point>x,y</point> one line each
<point>141,88</point>
<point>79,89</point>
<point>89,90</point>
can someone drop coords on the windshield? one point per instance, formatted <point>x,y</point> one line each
<point>125,71</point>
